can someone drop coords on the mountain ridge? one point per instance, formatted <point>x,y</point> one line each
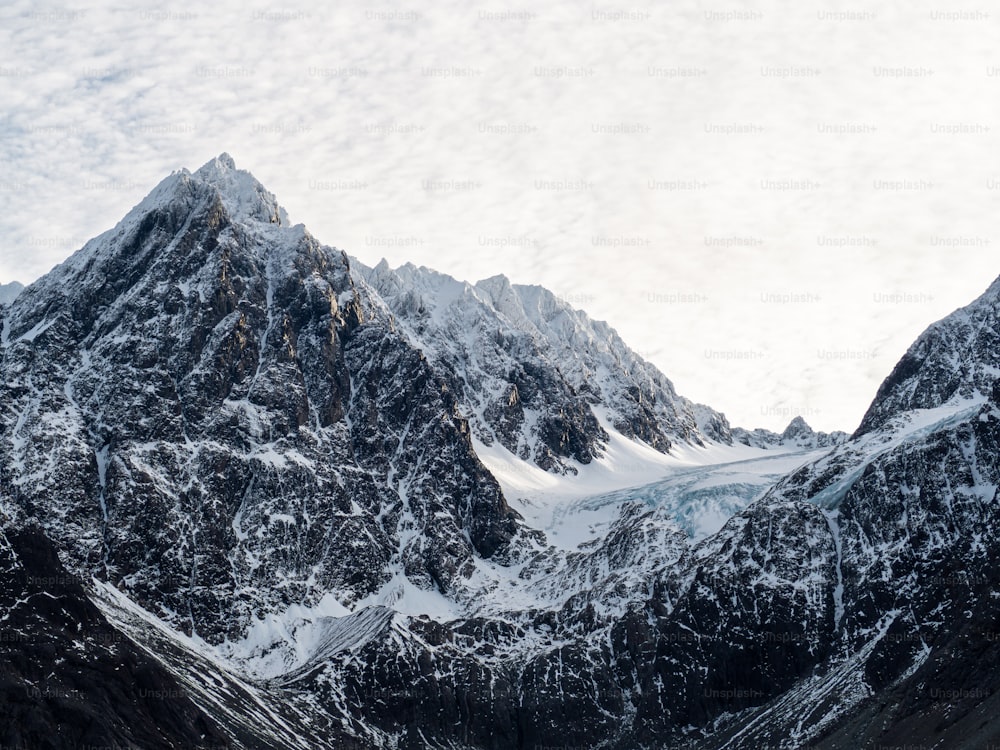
<point>267,465</point>
<point>9,291</point>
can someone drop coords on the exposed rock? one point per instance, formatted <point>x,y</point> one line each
<point>798,434</point>
<point>67,677</point>
<point>245,446</point>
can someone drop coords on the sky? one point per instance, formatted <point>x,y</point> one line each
<point>768,200</point>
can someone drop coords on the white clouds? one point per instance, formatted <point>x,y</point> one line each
<point>765,182</point>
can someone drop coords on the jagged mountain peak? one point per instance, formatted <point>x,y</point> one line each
<point>9,291</point>
<point>497,279</point>
<point>496,286</point>
<point>221,163</point>
<point>244,196</point>
<point>798,426</point>
<point>536,375</point>
<point>525,305</point>
<point>186,232</point>
<point>797,434</point>
<point>957,358</point>
<point>537,307</point>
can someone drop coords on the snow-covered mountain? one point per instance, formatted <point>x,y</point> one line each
<point>198,406</point>
<point>9,291</point>
<point>956,358</point>
<point>911,506</point>
<point>530,369</point>
<point>798,434</point>
<point>308,503</point>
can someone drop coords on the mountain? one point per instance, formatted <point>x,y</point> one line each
<point>9,291</point>
<point>283,499</point>
<point>536,375</point>
<point>911,500</point>
<point>956,358</point>
<point>798,434</point>
<point>220,425</point>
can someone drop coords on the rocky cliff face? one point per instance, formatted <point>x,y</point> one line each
<point>198,414</point>
<point>253,465</point>
<point>533,373</point>
<point>70,679</point>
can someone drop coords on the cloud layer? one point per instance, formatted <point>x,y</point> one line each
<point>768,202</point>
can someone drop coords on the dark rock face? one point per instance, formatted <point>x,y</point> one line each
<point>951,700</point>
<point>219,423</point>
<point>67,677</point>
<point>399,395</point>
<point>198,414</point>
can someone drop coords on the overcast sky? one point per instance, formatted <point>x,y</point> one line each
<point>767,200</point>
